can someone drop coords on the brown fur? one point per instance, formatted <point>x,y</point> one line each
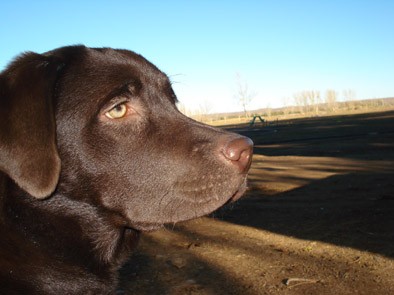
<point>77,188</point>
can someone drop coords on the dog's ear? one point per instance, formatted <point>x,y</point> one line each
<point>28,152</point>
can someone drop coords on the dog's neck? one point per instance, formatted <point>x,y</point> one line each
<point>69,233</point>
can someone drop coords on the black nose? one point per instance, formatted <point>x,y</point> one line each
<point>239,151</point>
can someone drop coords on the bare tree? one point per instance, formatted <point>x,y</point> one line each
<point>205,107</point>
<point>331,99</point>
<point>305,100</point>
<point>308,101</point>
<point>314,100</point>
<point>286,105</point>
<point>349,96</point>
<point>244,95</point>
<point>302,101</point>
<point>299,101</point>
<point>269,111</point>
<point>204,110</point>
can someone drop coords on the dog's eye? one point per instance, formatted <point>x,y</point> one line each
<point>117,112</point>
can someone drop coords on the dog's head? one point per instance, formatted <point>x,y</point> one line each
<point>108,118</point>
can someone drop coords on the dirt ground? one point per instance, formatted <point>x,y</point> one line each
<point>318,219</point>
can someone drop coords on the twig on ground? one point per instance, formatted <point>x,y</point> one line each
<point>298,281</point>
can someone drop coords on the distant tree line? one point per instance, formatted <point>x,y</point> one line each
<point>302,103</point>
<point>311,101</point>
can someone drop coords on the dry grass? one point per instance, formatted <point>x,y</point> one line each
<point>283,114</point>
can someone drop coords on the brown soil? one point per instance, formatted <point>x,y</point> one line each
<point>318,219</point>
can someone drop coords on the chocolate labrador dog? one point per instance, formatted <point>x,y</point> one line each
<point>93,151</point>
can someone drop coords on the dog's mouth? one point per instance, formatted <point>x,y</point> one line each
<point>205,208</point>
<point>239,193</point>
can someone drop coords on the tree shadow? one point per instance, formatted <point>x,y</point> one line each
<point>357,135</point>
<point>220,259</point>
<point>152,271</point>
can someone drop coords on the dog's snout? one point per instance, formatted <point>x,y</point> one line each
<point>239,151</point>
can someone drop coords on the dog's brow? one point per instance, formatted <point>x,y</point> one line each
<point>133,87</point>
<point>130,87</point>
<point>127,88</point>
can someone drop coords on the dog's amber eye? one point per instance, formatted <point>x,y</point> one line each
<point>117,112</point>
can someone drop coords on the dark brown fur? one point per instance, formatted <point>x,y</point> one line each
<point>76,187</point>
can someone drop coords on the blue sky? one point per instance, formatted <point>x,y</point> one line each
<point>278,47</point>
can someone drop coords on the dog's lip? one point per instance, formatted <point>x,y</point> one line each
<point>239,193</point>
<point>153,226</point>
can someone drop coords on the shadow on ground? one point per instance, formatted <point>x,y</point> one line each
<point>320,209</point>
<point>352,210</point>
<point>326,179</point>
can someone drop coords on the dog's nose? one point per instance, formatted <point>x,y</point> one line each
<point>239,151</point>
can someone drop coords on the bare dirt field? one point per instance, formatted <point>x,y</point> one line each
<point>318,219</point>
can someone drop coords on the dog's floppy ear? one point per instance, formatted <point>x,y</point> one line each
<point>28,152</point>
